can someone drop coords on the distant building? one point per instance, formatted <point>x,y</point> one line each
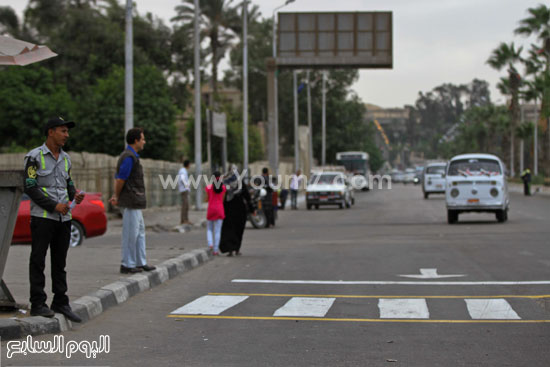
<point>397,117</point>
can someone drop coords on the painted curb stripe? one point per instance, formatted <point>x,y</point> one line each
<point>422,321</point>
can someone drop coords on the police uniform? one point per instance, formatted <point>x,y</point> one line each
<point>48,182</point>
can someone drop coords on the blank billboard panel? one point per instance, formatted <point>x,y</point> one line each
<point>340,39</point>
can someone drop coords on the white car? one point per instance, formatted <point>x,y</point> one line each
<point>433,179</point>
<point>476,183</point>
<point>328,188</point>
<point>408,177</point>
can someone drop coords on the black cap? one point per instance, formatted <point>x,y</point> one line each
<point>55,122</point>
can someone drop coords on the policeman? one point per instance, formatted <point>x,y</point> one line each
<point>526,178</point>
<point>49,185</point>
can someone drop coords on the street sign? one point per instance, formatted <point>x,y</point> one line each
<point>219,125</point>
<point>339,39</point>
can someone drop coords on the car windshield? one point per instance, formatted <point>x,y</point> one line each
<point>474,167</point>
<point>433,170</point>
<point>327,179</point>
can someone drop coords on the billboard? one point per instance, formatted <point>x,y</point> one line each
<point>336,39</point>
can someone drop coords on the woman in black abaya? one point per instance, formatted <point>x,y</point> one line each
<point>237,205</point>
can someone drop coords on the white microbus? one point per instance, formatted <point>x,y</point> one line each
<point>357,167</point>
<point>476,183</point>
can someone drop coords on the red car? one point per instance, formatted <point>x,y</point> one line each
<point>89,220</point>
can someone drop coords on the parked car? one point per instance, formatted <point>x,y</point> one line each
<point>328,188</point>
<point>89,220</point>
<point>476,183</point>
<point>408,177</point>
<point>433,179</point>
<point>397,176</point>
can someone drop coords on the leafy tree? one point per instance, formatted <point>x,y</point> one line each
<point>506,55</point>
<point>102,114</point>
<point>219,19</point>
<point>29,98</point>
<point>538,24</point>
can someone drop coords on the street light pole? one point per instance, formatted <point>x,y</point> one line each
<point>275,137</point>
<point>324,120</point>
<point>198,148</point>
<point>245,86</point>
<point>310,142</point>
<point>296,147</point>
<point>129,72</point>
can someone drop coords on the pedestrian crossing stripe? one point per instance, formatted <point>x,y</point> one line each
<point>488,309</point>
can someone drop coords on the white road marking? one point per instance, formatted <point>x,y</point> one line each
<point>305,307</point>
<point>430,274</point>
<point>489,309</point>
<point>403,308</point>
<point>209,305</point>
<point>381,282</point>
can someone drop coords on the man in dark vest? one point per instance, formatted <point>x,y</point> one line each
<point>130,196</point>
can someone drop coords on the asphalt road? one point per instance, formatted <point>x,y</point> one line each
<point>326,288</point>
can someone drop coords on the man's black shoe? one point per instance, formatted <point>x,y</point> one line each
<point>66,310</point>
<point>125,270</point>
<point>42,311</point>
<point>147,267</point>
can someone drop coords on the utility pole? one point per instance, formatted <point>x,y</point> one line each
<point>129,72</point>
<point>245,86</point>
<point>198,152</point>
<point>536,142</point>
<point>296,140</point>
<point>310,142</point>
<point>324,121</point>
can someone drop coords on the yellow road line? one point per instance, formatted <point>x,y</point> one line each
<point>422,321</point>
<point>541,296</point>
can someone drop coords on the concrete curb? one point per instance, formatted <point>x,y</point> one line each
<point>94,304</point>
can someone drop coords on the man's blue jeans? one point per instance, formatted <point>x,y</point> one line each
<point>133,238</point>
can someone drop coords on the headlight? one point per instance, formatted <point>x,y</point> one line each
<point>454,193</point>
<point>494,192</point>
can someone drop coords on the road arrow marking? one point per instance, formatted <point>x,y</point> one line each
<point>430,274</point>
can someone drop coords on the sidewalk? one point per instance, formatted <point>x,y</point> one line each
<point>94,280</point>
<point>535,189</point>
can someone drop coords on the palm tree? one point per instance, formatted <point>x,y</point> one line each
<point>538,24</point>
<point>219,23</point>
<point>507,56</point>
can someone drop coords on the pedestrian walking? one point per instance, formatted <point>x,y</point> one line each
<point>295,182</point>
<point>184,189</point>
<point>267,200</point>
<point>215,214</point>
<point>526,178</point>
<point>130,196</point>
<point>237,205</point>
<point>50,187</point>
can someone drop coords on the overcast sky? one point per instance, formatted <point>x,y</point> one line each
<point>435,41</point>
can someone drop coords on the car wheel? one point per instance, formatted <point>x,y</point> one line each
<point>452,216</point>
<point>77,234</point>
<point>426,195</point>
<point>502,215</point>
<point>308,206</point>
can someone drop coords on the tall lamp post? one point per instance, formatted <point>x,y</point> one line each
<point>198,148</point>
<point>129,72</point>
<point>275,87</point>
<point>245,86</point>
